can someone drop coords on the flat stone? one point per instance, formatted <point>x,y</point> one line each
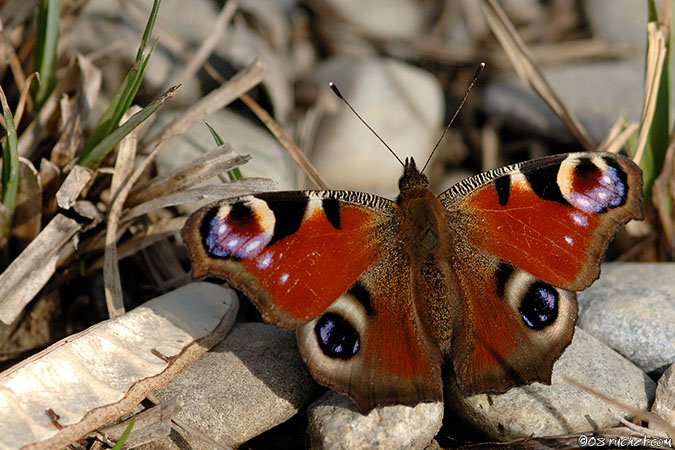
<point>254,380</point>
<point>561,408</point>
<point>402,103</point>
<point>631,308</point>
<point>336,423</point>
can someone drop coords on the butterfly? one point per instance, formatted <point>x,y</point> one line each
<point>381,293</point>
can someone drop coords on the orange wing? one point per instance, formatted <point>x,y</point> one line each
<point>527,235</point>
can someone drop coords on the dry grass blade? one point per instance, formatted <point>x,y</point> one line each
<point>126,155</point>
<point>28,214</point>
<point>23,99</point>
<point>206,166</point>
<point>210,42</point>
<point>79,107</point>
<point>30,138</point>
<point>150,425</point>
<point>29,272</point>
<point>617,136</point>
<point>111,272</point>
<point>643,415</point>
<point>147,237</point>
<point>244,186</point>
<point>200,434</point>
<point>72,186</point>
<point>286,141</point>
<point>527,70</point>
<point>664,191</point>
<point>657,35</point>
<point>240,83</point>
<point>243,81</point>
<point>14,61</point>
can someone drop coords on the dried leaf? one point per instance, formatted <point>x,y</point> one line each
<point>149,425</point>
<point>73,185</point>
<point>28,213</point>
<point>31,270</point>
<point>210,192</point>
<point>201,169</point>
<point>50,179</point>
<point>103,372</point>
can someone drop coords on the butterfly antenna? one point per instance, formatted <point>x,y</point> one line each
<point>340,96</point>
<point>459,108</point>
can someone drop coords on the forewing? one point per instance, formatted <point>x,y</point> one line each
<point>292,253</point>
<point>552,217</point>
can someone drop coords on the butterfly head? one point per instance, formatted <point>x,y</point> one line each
<point>412,178</point>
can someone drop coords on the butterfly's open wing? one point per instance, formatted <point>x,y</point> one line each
<point>292,253</point>
<point>527,235</point>
<point>553,216</point>
<point>295,254</point>
<point>372,344</point>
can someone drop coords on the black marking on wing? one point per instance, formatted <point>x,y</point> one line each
<point>502,274</point>
<point>585,168</point>
<point>331,208</point>
<point>337,338</point>
<point>544,183</point>
<point>289,210</point>
<point>503,188</point>
<point>623,179</point>
<point>361,294</point>
<point>539,306</point>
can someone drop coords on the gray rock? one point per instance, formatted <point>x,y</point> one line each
<point>664,401</point>
<point>631,308</point>
<point>254,380</point>
<point>561,408</point>
<point>402,103</point>
<point>335,423</point>
<point>618,21</point>
<point>597,93</point>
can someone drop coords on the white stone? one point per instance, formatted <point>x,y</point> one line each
<point>335,423</point>
<point>402,103</point>
<point>386,18</point>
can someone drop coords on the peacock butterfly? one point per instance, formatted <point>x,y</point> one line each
<point>382,292</point>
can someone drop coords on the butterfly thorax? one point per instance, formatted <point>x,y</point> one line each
<point>423,227</point>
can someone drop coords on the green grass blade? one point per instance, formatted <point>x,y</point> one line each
<point>652,12</point>
<point>125,435</point>
<point>120,103</point>
<point>9,178</point>
<point>234,174</point>
<point>654,155</point>
<point>148,30</point>
<point>45,48</point>
<point>110,141</point>
<point>127,91</point>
